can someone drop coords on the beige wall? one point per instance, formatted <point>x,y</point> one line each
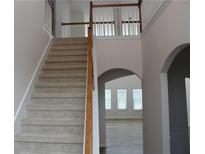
<point>30,40</point>
<point>113,53</point>
<point>65,17</point>
<point>169,31</point>
<point>129,83</point>
<point>118,52</point>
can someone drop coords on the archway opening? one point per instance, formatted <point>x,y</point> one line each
<point>175,101</point>
<point>120,112</point>
<point>178,115</point>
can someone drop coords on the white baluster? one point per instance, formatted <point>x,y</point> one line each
<point>112,19</point>
<point>103,21</point>
<point>98,27</point>
<point>108,26</point>
<point>134,19</point>
<point>123,24</point>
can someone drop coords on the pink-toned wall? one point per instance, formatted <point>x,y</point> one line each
<point>118,52</point>
<point>30,41</point>
<point>171,29</point>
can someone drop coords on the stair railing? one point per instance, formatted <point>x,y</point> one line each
<point>122,19</point>
<point>88,140</point>
<point>118,19</point>
<point>88,145</point>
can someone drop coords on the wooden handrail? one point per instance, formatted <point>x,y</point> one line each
<point>115,5</point>
<point>75,23</point>
<point>97,22</point>
<point>88,147</point>
<point>88,142</point>
<point>86,23</point>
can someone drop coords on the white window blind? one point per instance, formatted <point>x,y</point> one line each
<point>137,99</point>
<point>122,98</point>
<point>107,99</point>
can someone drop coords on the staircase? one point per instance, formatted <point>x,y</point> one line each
<point>54,116</point>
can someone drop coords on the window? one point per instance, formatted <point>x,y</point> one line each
<point>107,99</point>
<point>122,98</point>
<point>137,99</point>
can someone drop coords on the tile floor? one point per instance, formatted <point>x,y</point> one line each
<point>123,137</point>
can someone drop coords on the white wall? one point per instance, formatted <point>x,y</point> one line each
<point>187,84</point>
<point>170,30</point>
<point>65,17</point>
<point>96,140</point>
<point>30,40</point>
<point>58,18</point>
<point>72,11</point>
<point>129,83</point>
<point>77,30</point>
<point>118,52</point>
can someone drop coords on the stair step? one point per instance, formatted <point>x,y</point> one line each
<point>53,122</point>
<point>62,75</point>
<point>52,129</point>
<point>37,152</point>
<point>72,39</point>
<point>49,138</point>
<point>69,47</point>
<point>55,107</point>
<point>47,148</point>
<point>64,66</point>
<point>55,127</point>
<point>62,79</point>
<point>71,42</point>
<point>68,53</point>
<point>54,114</point>
<point>60,89</point>
<point>63,59</point>
<point>60,84</point>
<point>57,95</point>
<point>66,62</point>
<point>81,71</point>
<point>57,101</point>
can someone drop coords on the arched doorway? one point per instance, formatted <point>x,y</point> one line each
<point>175,107</point>
<point>107,80</point>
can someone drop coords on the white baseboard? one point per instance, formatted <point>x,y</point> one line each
<point>34,76</point>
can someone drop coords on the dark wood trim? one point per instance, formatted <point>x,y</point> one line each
<point>87,23</point>
<point>140,14</point>
<point>74,23</point>
<point>115,5</point>
<point>51,3</point>
<point>53,22</point>
<point>53,18</point>
<point>104,22</point>
<point>131,21</point>
<point>91,16</point>
<point>98,22</point>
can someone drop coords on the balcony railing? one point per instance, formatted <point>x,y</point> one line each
<point>109,20</point>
